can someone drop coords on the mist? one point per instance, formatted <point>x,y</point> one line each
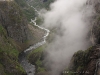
<point>70,18</point>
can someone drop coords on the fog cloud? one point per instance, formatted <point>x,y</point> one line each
<point>71,18</point>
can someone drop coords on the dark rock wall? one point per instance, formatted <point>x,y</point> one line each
<point>13,20</point>
<point>84,62</point>
<point>95,31</point>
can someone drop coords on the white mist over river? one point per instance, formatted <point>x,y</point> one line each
<point>72,18</point>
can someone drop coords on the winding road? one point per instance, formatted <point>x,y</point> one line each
<point>29,68</point>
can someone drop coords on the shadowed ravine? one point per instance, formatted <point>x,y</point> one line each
<point>29,68</point>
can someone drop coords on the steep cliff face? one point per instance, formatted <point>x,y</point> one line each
<point>84,62</point>
<point>16,34</point>
<point>27,10</point>
<point>8,56</point>
<point>12,19</point>
<point>96,22</point>
<point>13,30</point>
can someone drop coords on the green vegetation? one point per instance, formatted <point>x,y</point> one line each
<point>36,58</point>
<point>39,21</point>
<point>14,21</point>
<point>40,4</point>
<point>14,15</point>
<point>22,3</point>
<point>8,56</point>
<point>27,10</point>
<point>80,60</point>
<point>8,53</point>
<point>2,30</point>
<point>2,70</point>
<point>30,13</point>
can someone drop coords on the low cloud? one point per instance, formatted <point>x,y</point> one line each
<point>71,18</point>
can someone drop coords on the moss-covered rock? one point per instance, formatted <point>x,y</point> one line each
<point>28,11</point>
<point>84,62</point>
<point>13,20</point>
<point>36,58</point>
<point>8,56</point>
<point>39,4</point>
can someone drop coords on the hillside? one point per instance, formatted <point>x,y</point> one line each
<point>30,13</point>
<point>40,4</point>
<point>83,62</point>
<point>11,19</point>
<point>8,56</point>
<point>27,10</point>
<point>16,34</point>
<point>13,32</point>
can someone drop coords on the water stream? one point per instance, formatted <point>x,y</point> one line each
<point>29,68</point>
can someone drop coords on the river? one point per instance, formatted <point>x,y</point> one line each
<point>29,68</point>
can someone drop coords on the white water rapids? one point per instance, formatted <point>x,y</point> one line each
<point>29,68</point>
<point>44,38</point>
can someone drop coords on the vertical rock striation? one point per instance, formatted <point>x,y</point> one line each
<point>13,20</point>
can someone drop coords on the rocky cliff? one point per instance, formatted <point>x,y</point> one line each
<point>13,20</point>
<point>95,23</point>
<point>13,32</point>
<point>8,56</point>
<point>27,10</point>
<point>16,34</point>
<point>85,62</point>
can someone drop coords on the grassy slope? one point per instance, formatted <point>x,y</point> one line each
<point>40,4</point>
<point>14,17</point>
<point>36,58</point>
<point>84,61</point>
<point>27,10</point>
<point>8,56</point>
